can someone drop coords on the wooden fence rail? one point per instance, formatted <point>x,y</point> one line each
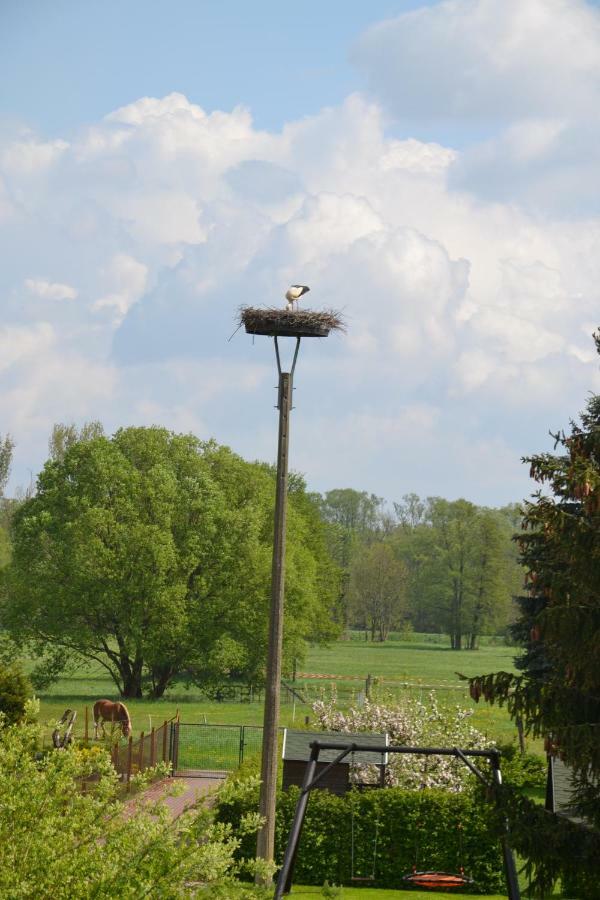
<point>139,755</point>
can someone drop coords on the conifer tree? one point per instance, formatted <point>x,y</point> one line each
<point>556,692</point>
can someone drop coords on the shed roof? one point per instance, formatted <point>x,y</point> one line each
<point>296,746</point>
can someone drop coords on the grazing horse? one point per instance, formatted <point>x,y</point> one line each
<point>111,711</point>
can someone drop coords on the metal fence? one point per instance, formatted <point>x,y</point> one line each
<point>211,750</point>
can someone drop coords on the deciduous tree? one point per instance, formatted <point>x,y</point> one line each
<point>150,553</point>
<point>378,589</point>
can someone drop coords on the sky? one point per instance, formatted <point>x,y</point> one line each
<point>429,169</point>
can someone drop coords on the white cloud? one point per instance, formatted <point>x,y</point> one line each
<point>31,157</point>
<point>22,344</point>
<point>484,59</point>
<point>129,279</point>
<point>50,290</point>
<point>468,318</point>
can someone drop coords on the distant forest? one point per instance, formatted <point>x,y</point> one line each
<point>426,564</point>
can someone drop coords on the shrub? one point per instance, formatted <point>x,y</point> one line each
<point>413,723</point>
<point>15,691</point>
<point>522,770</point>
<point>62,842</point>
<point>415,827</point>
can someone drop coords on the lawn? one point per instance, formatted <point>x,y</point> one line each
<point>421,664</point>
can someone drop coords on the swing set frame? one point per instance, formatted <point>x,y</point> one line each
<point>311,780</point>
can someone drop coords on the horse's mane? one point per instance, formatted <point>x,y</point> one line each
<point>126,711</point>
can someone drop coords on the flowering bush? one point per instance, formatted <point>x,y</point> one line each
<point>412,723</point>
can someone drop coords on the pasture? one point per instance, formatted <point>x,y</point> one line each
<point>418,664</point>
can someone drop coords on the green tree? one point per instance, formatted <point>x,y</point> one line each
<point>354,518</point>
<point>7,446</point>
<point>235,632</point>
<point>557,692</point>
<point>65,435</point>
<point>15,691</point>
<point>378,589</point>
<point>461,567</point>
<point>490,600</point>
<point>150,553</point>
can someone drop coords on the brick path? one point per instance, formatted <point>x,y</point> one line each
<point>194,789</point>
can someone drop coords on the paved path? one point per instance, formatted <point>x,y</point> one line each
<point>194,789</point>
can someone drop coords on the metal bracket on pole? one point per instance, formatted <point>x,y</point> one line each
<point>279,369</point>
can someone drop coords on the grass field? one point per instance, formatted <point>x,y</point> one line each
<point>401,665</point>
<point>404,665</point>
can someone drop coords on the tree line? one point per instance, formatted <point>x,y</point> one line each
<point>430,564</point>
<point>149,553</point>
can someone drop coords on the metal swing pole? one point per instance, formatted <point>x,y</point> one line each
<point>510,867</point>
<point>265,845</point>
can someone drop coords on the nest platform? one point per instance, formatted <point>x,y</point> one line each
<point>290,323</point>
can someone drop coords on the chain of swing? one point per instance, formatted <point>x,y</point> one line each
<point>428,879</point>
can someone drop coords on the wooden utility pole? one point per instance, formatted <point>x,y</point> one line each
<point>266,835</point>
<point>297,324</point>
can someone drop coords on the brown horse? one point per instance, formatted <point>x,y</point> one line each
<point>111,711</point>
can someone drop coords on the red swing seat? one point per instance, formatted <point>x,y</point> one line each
<point>437,881</point>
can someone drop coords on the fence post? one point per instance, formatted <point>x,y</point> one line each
<point>129,761</point>
<point>153,747</point>
<point>141,754</point>
<point>164,747</point>
<point>176,746</point>
<point>242,742</point>
<point>85,731</point>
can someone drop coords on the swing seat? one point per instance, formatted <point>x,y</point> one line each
<point>437,881</point>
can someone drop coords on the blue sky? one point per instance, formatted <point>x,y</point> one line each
<point>429,168</point>
<point>283,60</point>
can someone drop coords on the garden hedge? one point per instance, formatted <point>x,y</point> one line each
<point>432,829</point>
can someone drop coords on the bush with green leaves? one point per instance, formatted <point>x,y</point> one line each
<point>522,770</point>
<point>62,841</point>
<point>394,829</point>
<point>15,691</point>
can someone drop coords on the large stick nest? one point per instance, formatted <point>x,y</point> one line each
<point>290,323</point>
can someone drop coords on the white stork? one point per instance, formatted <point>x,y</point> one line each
<point>293,294</point>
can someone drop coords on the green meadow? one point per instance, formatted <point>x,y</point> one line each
<point>416,665</point>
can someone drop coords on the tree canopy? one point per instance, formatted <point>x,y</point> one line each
<point>150,552</point>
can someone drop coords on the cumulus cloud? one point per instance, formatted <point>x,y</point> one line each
<point>517,82</point>
<point>129,281</point>
<point>49,290</point>
<point>480,59</point>
<point>468,318</point>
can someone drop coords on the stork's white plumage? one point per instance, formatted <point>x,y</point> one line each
<point>293,294</point>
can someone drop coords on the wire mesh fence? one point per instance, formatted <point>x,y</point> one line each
<point>211,750</point>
